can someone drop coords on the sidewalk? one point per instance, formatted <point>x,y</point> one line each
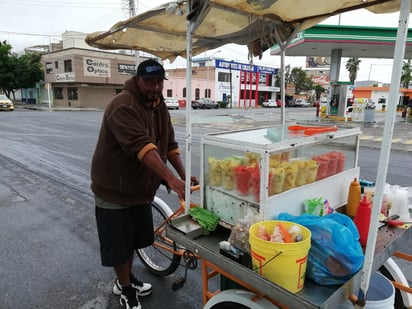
<point>45,107</point>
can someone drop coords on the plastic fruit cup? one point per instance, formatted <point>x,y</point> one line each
<point>323,163</point>
<point>341,163</point>
<point>215,175</point>
<point>312,172</point>
<point>255,184</point>
<point>278,179</point>
<point>242,178</point>
<point>290,178</point>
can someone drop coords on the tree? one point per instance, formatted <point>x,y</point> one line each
<point>298,77</point>
<point>7,64</point>
<point>318,90</point>
<point>18,72</point>
<point>28,70</point>
<point>352,65</point>
<point>406,74</point>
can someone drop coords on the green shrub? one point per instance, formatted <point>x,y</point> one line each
<point>222,104</point>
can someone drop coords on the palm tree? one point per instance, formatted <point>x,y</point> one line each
<point>406,74</point>
<point>352,65</point>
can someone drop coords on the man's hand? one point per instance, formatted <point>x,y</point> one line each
<point>178,186</point>
<point>194,181</point>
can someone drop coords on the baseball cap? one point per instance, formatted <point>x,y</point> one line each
<point>150,69</point>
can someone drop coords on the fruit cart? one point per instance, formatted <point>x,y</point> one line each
<point>276,155</point>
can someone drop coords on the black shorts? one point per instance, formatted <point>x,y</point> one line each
<point>122,231</point>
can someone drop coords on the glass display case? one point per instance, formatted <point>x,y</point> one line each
<point>273,170</point>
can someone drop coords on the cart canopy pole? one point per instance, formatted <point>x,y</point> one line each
<point>386,145</point>
<point>283,45</point>
<point>188,157</point>
<point>282,84</point>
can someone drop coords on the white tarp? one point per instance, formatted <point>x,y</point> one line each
<point>256,23</point>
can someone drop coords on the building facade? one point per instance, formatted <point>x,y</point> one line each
<point>238,84</point>
<point>84,78</point>
<point>80,76</point>
<point>379,96</point>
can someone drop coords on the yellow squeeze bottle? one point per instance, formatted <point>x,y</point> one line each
<point>354,197</point>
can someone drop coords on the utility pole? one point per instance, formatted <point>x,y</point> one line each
<point>132,8</point>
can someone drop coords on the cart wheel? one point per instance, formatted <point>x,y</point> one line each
<point>229,305</point>
<point>238,299</point>
<point>157,260</point>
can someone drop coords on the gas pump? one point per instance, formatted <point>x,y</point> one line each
<point>340,94</point>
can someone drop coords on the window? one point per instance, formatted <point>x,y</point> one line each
<point>263,78</point>
<point>197,94</point>
<point>72,93</point>
<point>49,68</point>
<point>58,93</point>
<point>207,93</point>
<point>56,64</point>
<point>169,93</point>
<point>68,66</point>
<point>223,77</point>
<point>184,92</point>
<point>246,80</point>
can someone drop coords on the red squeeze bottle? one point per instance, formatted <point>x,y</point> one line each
<point>363,219</point>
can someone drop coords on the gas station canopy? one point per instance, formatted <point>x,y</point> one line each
<point>353,41</point>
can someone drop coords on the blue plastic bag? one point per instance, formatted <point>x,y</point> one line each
<point>335,254</point>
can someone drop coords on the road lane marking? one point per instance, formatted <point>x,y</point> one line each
<point>366,137</point>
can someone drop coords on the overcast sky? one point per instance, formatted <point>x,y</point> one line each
<point>37,22</point>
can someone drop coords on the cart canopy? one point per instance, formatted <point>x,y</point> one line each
<point>258,24</point>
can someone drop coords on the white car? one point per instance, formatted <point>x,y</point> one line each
<point>172,103</point>
<point>271,103</point>
<point>301,103</point>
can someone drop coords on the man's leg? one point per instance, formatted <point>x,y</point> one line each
<point>123,272</point>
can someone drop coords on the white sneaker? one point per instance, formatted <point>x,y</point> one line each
<point>143,288</point>
<point>129,298</point>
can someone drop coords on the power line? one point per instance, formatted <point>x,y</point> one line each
<point>80,4</point>
<point>29,34</point>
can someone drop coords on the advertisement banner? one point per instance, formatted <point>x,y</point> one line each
<point>126,69</point>
<point>96,67</point>
<point>65,77</point>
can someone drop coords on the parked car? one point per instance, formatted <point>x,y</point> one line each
<point>172,103</point>
<point>5,103</point>
<point>204,103</point>
<point>301,103</point>
<point>272,103</point>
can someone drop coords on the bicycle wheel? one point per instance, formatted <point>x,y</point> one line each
<point>157,260</point>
